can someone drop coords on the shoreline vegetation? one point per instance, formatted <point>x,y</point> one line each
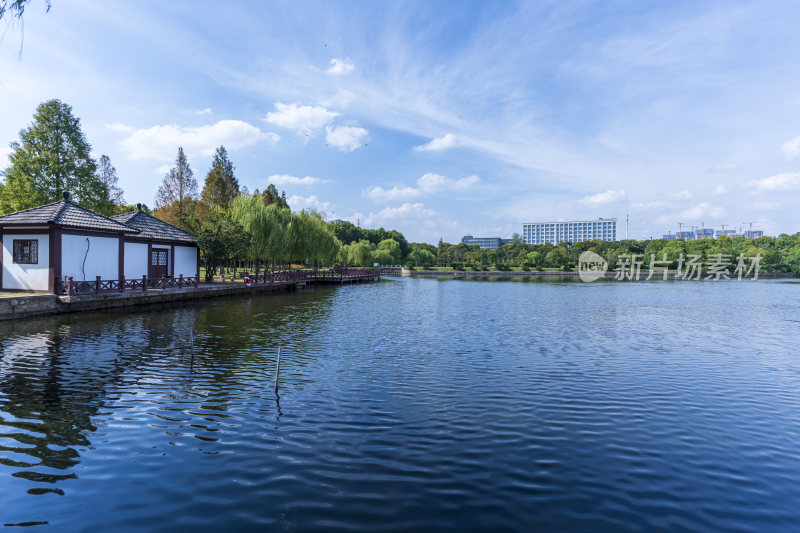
<point>555,273</point>
<point>238,230</point>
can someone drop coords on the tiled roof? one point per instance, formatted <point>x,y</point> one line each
<point>65,213</point>
<point>150,227</point>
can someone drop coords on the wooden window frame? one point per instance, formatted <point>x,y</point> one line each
<point>29,257</point>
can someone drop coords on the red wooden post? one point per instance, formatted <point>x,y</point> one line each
<point>97,285</point>
<point>144,283</point>
<point>180,280</point>
<point>69,285</point>
<point>122,284</point>
<point>163,281</point>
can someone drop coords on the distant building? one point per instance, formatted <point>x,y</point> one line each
<point>685,235</point>
<point>490,243</point>
<point>338,221</point>
<point>704,233</point>
<point>728,232</point>
<point>669,237</point>
<point>603,229</point>
<point>753,234</point>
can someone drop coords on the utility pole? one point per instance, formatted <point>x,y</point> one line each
<point>626,226</point>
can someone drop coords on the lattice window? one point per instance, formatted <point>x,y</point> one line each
<point>158,258</point>
<point>26,252</point>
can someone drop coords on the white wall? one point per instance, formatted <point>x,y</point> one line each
<point>102,259</point>
<point>136,260</point>
<point>185,261</point>
<point>28,277</point>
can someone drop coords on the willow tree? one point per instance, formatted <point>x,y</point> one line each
<point>266,225</point>
<point>359,253</point>
<point>308,239</point>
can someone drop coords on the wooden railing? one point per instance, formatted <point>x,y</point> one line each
<point>344,273</point>
<point>72,287</point>
<point>303,275</point>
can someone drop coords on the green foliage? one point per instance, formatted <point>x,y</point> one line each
<point>107,174</point>
<point>221,185</point>
<point>533,258</point>
<point>392,254</point>
<point>15,8</point>
<point>52,156</point>
<point>176,199</point>
<point>222,241</point>
<point>557,258</point>
<point>278,235</point>
<point>270,196</point>
<point>359,253</point>
<point>348,233</point>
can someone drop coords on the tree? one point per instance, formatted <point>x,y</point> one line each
<point>221,241</point>
<point>221,185</point>
<point>264,223</point>
<point>559,257</point>
<point>271,196</point>
<point>393,252</point>
<point>533,258</point>
<point>359,253</point>
<point>177,194</point>
<point>107,174</point>
<point>15,8</point>
<point>52,156</point>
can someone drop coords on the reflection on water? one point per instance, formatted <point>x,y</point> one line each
<point>413,403</point>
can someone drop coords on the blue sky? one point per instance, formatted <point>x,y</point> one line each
<point>437,118</point>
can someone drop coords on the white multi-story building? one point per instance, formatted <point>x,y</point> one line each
<point>603,229</point>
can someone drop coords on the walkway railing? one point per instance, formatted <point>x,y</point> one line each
<point>328,274</point>
<point>344,273</point>
<point>72,287</point>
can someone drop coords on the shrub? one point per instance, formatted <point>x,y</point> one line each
<point>410,265</point>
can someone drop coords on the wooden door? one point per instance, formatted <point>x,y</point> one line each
<point>159,261</point>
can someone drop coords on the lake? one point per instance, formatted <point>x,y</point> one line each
<point>412,404</point>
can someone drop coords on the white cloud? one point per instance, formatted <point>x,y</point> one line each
<point>681,195</point>
<point>429,183</point>
<point>721,189</point>
<point>286,179</point>
<point>780,182</point>
<point>345,138</point>
<point>206,111</point>
<point>162,142</point>
<point>703,209</point>
<point>163,169</point>
<point>379,194</point>
<point>340,67</point>
<point>722,167</point>
<point>120,128</point>
<point>766,206</point>
<point>312,202</point>
<point>645,206</point>
<point>445,142</point>
<point>433,183</point>
<point>300,118</point>
<point>792,148</point>
<point>604,198</point>
<point>406,211</point>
